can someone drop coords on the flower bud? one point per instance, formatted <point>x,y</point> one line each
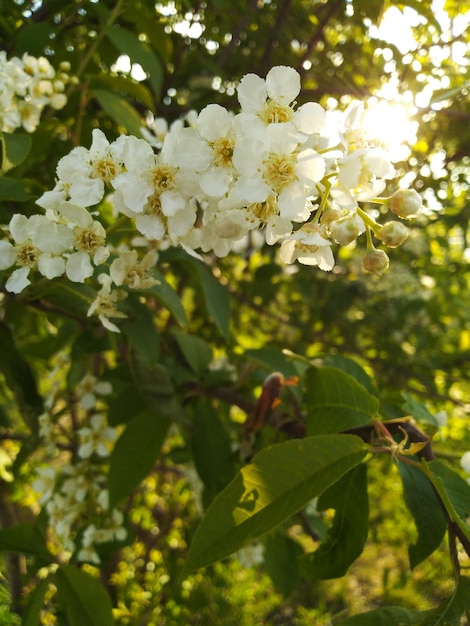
<point>393,234</point>
<point>406,203</point>
<point>346,229</point>
<point>375,261</point>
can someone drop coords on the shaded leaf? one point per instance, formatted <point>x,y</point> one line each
<point>418,410</point>
<point>336,401</point>
<point>450,612</point>
<point>386,616</point>
<point>278,482</point>
<point>83,597</point>
<point>13,189</point>
<point>348,533</point>
<point>196,351</point>
<point>211,449</point>
<point>35,603</point>
<point>424,505</point>
<point>140,328</point>
<point>165,294</point>
<point>135,453</point>
<point>139,52</point>
<point>20,378</point>
<point>281,556</point>
<point>119,110</point>
<point>216,298</point>
<point>25,538</point>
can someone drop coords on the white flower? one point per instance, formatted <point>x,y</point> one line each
<point>45,484</point>
<point>89,388</point>
<point>128,270</point>
<point>309,247</point>
<point>465,462</point>
<point>86,172</point>
<point>104,305</point>
<point>97,438</point>
<point>271,101</point>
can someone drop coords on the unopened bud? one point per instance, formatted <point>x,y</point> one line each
<point>406,203</point>
<point>346,229</point>
<point>393,234</point>
<point>376,262</point>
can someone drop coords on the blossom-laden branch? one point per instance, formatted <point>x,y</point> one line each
<point>298,174</point>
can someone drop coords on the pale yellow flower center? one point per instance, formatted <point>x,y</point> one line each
<point>264,211</point>
<point>27,255</point>
<point>88,239</point>
<point>106,168</point>
<point>280,171</point>
<point>275,113</point>
<point>223,150</point>
<point>163,177</point>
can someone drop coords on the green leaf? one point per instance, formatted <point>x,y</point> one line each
<point>216,298</point>
<point>454,493</point>
<point>20,378</point>
<point>350,367</point>
<point>154,384</point>
<point>348,533</point>
<point>25,538</point>
<point>14,150</point>
<point>119,110</point>
<point>196,351</point>
<point>125,86</point>
<point>336,401</point>
<point>140,328</point>
<point>273,359</point>
<point>135,453</point>
<point>418,410</point>
<point>281,557</point>
<point>13,189</point>
<point>211,449</point>
<point>386,616</point>
<point>278,482</point>
<point>424,505</point>
<point>34,604</point>
<point>450,612</point>
<point>170,299</point>
<point>83,598</point>
<point>139,52</point>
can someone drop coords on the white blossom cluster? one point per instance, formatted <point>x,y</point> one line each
<point>27,85</point>
<point>75,493</point>
<point>297,174</point>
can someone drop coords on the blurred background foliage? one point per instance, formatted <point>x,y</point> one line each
<point>410,329</point>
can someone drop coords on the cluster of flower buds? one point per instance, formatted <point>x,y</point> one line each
<point>302,176</point>
<point>27,85</point>
<point>74,492</point>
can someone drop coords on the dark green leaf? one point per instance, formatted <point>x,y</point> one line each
<point>418,410</point>
<point>139,52</point>
<point>135,453</point>
<point>34,604</point>
<point>119,110</point>
<point>216,298</point>
<point>196,351</point>
<point>170,299</point>
<point>350,367</point>
<point>276,484</point>
<point>273,359</point>
<point>20,378</point>
<point>14,148</point>
<point>25,538</point>
<point>336,401</point>
<point>83,598</point>
<point>125,86</point>
<point>424,505</point>
<point>454,493</point>
<point>12,189</point>
<point>211,449</point>
<point>450,612</point>
<point>347,536</point>
<point>154,385</point>
<point>386,616</point>
<point>281,556</point>
<point>139,327</point>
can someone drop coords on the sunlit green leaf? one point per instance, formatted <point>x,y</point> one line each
<point>278,482</point>
<point>336,401</point>
<point>14,150</point>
